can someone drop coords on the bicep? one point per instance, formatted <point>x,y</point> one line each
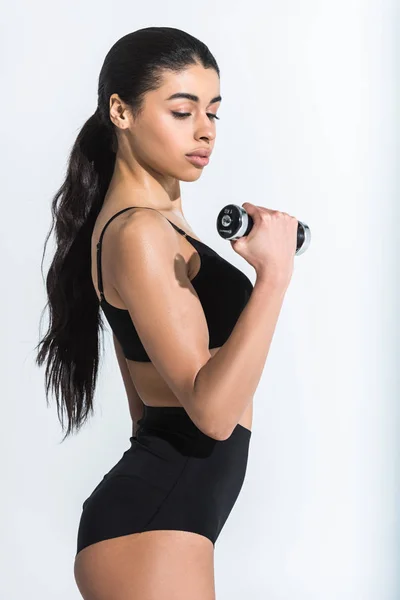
<point>151,278</point>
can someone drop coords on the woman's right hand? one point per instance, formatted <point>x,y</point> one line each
<point>270,246</point>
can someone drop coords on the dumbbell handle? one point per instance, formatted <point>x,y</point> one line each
<point>234,222</point>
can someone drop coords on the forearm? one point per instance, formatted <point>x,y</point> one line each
<point>225,385</point>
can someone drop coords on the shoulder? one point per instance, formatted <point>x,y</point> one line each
<point>138,227</point>
<point>147,233</point>
<point>141,224</point>
<point>147,238</point>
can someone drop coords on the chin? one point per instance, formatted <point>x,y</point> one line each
<point>190,176</point>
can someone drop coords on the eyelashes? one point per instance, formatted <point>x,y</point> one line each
<point>179,115</point>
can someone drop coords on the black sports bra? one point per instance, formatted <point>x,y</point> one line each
<point>223,291</point>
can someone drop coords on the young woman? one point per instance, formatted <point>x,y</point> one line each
<point>191,332</point>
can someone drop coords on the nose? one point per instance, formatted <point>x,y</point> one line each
<point>205,129</point>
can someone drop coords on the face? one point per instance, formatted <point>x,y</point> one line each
<point>168,129</point>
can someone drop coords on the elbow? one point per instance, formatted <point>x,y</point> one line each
<point>223,436</point>
<point>216,431</point>
<point>209,424</point>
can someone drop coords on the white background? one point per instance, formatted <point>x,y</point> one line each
<point>308,126</point>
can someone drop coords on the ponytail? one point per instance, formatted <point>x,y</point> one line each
<point>71,345</point>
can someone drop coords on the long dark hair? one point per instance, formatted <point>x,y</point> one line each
<point>71,347</point>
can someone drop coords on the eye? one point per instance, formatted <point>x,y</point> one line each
<point>178,115</point>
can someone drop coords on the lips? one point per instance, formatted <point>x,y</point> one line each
<point>198,161</point>
<point>203,152</point>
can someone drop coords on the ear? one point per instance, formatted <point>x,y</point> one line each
<point>119,112</point>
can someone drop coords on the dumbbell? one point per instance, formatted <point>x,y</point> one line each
<point>233,222</point>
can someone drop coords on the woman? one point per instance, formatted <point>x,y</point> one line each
<point>191,332</point>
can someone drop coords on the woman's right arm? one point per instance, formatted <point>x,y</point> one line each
<point>142,261</point>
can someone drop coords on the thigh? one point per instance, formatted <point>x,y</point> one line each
<point>150,565</point>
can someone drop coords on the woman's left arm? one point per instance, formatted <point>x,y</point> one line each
<point>136,406</point>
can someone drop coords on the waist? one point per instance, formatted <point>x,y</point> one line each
<point>173,424</point>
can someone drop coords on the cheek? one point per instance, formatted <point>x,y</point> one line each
<point>165,135</point>
<point>161,152</point>
<point>164,142</point>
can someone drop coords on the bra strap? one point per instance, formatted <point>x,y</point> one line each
<point>99,273</point>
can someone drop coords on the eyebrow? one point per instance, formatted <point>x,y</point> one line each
<point>192,97</point>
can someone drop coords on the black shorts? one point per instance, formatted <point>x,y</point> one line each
<point>173,476</point>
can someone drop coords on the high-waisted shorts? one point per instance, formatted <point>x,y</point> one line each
<point>173,476</point>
